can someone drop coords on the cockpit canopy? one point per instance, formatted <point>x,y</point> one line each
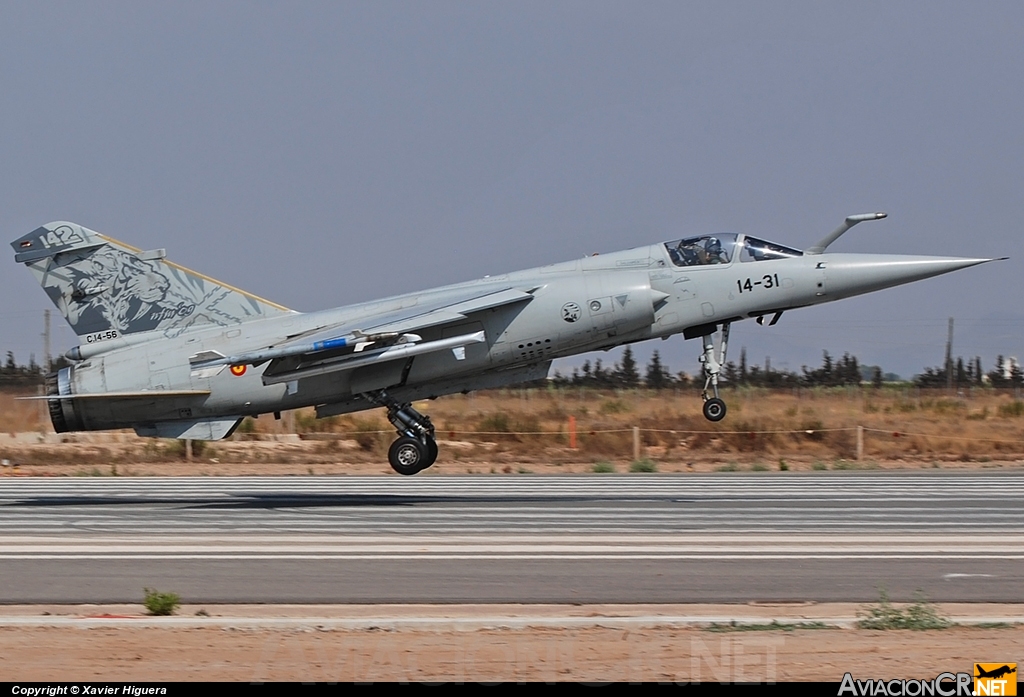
<point>703,250</point>
<point>758,250</point>
<point>722,249</point>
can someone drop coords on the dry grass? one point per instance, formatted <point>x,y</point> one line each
<point>17,416</point>
<point>763,428</point>
<point>899,423</point>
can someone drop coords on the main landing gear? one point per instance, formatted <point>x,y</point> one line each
<point>415,449</point>
<point>714,407</point>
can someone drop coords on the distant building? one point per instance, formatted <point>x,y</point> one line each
<point>1010,363</point>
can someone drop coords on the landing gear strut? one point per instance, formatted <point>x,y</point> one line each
<point>714,407</point>
<point>415,449</point>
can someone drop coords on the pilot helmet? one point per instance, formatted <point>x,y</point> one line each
<point>713,245</point>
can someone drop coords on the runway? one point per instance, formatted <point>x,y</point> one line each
<point>729,537</point>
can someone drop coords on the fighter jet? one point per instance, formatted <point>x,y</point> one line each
<point>172,353</point>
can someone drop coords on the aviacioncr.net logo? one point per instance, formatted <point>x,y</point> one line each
<point>944,685</point>
<point>995,679</point>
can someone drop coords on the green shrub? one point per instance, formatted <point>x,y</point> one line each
<point>177,448</point>
<point>158,603</point>
<point>1014,408</point>
<point>773,626</point>
<point>614,406</point>
<point>94,472</point>
<point>495,423</point>
<point>921,615</point>
<point>847,465</point>
<point>603,467</point>
<point>946,406</point>
<point>517,426</point>
<point>643,466</point>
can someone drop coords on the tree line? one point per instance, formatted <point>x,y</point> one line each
<point>13,374</point>
<point>833,372</point>
<point>1007,373</point>
<point>626,373</point>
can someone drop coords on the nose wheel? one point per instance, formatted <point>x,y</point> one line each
<point>714,406</point>
<point>714,409</point>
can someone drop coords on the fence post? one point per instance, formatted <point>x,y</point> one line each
<point>188,450</point>
<point>44,410</point>
<point>572,432</point>
<point>636,443</point>
<point>860,442</point>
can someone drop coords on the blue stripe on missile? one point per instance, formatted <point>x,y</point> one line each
<point>326,344</point>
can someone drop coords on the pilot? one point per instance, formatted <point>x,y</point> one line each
<point>686,254</point>
<point>756,252</point>
<point>713,252</point>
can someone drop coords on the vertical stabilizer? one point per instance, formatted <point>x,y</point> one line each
<point>106,289</point>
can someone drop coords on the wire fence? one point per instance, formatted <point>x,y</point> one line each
<point>860,431</point>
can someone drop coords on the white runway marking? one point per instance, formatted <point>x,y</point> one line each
<point>735,516</point>
<point>978,505</point>
<point>515,538</point>
<point>760,546</point>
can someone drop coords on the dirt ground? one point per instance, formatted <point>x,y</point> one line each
<point>216,469</point>
<point>106,455</point>
<point>440,469</point>
<point>594,653</point>
<point>910,432</point>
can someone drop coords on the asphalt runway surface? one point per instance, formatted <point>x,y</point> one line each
<point>689,538</point>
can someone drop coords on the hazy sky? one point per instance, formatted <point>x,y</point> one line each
<point>319,154</point>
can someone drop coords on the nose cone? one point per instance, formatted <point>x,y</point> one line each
<point>854,274</point>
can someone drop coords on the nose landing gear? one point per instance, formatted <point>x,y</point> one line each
<point>714,407</point>
<point>415,449</point>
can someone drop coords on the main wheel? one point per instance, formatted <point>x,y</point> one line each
<point>407,456</point>
<point>431,456</point>
<point>714,409</point>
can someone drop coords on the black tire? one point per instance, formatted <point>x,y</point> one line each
<point>407,456</point>
<point>714,409</point>
<point>431,457</point>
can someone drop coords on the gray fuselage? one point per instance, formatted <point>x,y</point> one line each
<point>596,302</point>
